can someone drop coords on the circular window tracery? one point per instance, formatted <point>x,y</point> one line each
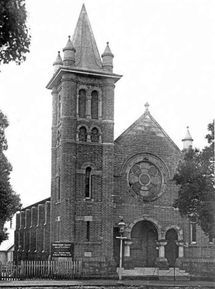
<point>145,180</point>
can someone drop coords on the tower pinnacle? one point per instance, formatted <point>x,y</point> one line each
<point>107,58</point>
<point>58,62</point>
<point>187,140</point>
<point>69,53</point>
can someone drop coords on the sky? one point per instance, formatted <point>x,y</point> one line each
<point>165,50</point>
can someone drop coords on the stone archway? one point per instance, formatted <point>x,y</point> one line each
<point>144,238</point>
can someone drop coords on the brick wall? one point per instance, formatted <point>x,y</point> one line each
<point>32,234</point>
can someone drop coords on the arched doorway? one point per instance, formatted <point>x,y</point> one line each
<point>171,248</point>
<point>144,236</point>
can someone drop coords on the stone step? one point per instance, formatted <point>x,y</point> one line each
<point>169,274</point>
<point>141,272</point>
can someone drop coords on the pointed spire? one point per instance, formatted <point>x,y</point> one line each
<point>187,140</point>
<point>58,62</point>
<point>107,58</point>
<point>69,53</point>
<point>87,54</point>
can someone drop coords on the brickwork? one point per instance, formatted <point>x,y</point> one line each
<point>32,234</point>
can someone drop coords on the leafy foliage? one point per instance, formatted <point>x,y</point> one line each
<point>195,176</point>
<point>9,201</point>
<point>14,35</point>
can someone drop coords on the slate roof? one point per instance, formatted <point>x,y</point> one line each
<point>147,123</point>
<point>87,55</point>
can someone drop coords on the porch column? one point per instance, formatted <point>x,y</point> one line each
<point>180,248</point>
<point>127,244</point>
<point>179,260</point>
<point>161,245</point>
<point>88,106</point>
<point>162,262</point>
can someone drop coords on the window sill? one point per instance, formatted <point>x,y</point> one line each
<point>88,200</point>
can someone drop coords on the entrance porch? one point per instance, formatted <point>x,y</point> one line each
<point>145,254</point>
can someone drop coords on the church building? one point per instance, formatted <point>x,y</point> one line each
<point>98,182</point>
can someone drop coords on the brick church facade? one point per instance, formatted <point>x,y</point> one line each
<point>96,179</point>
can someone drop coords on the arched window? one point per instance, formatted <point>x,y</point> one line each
<point>94,135</point>
<point>82,134</point>
<point>82,103</point>
<point>94,104</point>
<point>88,183</point>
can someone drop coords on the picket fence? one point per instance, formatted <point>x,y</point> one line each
<point>41,270</point>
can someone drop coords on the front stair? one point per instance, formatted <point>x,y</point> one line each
<point>151,272</point>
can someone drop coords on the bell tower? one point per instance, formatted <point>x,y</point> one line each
<point>83,145</point>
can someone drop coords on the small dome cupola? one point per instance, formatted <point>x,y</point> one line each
<point>107,58</point>
<point>58,62</point>
<point>187,140</point>
<point>69,53</point>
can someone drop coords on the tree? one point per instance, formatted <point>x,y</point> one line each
<point>9,200</point>
<point>195,177</point>
<point>14,35</point>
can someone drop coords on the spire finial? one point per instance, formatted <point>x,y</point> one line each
<point>147,106</point>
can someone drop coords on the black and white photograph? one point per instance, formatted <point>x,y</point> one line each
<point>107,157</point>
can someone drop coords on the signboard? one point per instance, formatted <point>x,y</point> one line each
<point>62,249</point>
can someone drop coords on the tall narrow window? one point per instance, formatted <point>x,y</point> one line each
<point>94,105</point>
<point>88,183</point>
<point>94,135</point>
<point>82,134</point>
<point>82,103</point>
<point>88,231</point>
<point>193,232</point>
<point>44,240</point>
<point>58,228</point>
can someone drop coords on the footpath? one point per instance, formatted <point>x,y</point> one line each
<point>100,283</point>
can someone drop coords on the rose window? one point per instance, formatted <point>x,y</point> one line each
<point>145,180</point>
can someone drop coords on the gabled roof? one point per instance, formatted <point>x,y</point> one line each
<point>87,54</point>
<point>146,123</point>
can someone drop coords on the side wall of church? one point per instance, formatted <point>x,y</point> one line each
<point>32,234</point>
